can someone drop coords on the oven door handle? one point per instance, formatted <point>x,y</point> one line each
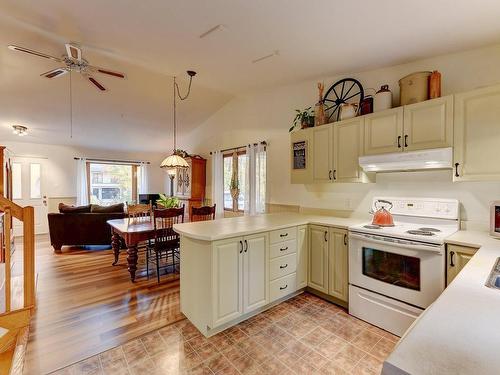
<point>420,247</point>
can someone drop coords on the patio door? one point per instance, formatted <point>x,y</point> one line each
<point>28,189</point>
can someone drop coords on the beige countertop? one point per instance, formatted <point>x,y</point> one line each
<point>245,225</point>
<point>460,332</point>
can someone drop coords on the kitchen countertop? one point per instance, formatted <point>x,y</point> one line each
<point>245,225</point>
<point>460,332</point>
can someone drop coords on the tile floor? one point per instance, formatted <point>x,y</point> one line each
<point>304,335</point>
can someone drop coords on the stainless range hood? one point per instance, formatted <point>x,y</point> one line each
<point>438,158</point>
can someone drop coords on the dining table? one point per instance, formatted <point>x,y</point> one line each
<point>132,231</point>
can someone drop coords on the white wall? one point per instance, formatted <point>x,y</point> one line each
<point>267,115</point>
<point>61,167</point>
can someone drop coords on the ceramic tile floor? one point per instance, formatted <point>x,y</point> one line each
<point>304,335</point>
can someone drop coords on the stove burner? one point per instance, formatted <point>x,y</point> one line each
<point>421,232</point>
<point>435,230</point>
<point>372,226</point>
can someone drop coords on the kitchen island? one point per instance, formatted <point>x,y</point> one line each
<point>234,268</point>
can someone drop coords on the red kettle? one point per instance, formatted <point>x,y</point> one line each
<point>382,217</point>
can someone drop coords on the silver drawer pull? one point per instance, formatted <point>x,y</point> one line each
<point>285,266</point>
<point>284,235</point>
<point>283,287</point>
<point>284,248</point>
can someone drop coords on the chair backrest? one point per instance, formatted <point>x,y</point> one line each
<point>202,213</point>
<point>139,212</point>
<point>164,220</point>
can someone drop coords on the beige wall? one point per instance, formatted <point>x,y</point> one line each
<point>266,115</point>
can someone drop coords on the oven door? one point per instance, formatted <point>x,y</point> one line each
<point>412,272</point>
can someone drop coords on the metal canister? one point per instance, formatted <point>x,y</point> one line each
<point>383,99</point>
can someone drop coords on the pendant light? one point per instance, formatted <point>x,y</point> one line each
<point>176,160</point>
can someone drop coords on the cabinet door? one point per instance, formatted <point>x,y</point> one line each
<point>227,280</point>
<point>338,281</point>
<point>302,252</point>
<point>347,147</point>
<point>255,272</point>
<point>428,124</point>
<point>322,157</point>
<point>301,175</point>
<point>383,132</point>
<point>457,258</point>
<point>318,258</point>
<point>476,134</point>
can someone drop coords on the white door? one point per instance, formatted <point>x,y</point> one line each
<point>28,189</point>
<point>318,258</point>
<point>255,272</point>
<point>338,273</point>
<point>227,279</point>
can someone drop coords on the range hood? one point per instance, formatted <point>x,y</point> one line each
<point>438,158</point>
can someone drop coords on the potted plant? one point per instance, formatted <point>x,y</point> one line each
<point>305,118</point>
<point>234,186</point>
<point>167,202</point>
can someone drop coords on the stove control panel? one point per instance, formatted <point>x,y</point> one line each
<point>425,207</point>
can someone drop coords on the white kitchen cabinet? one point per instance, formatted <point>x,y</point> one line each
<point>301,170</point>
<point>302,255</point>
<point>255,272</point>
<point>322,155</point>
<point>456,259</point>
<point>338,268</point>
<point>428,124</point>
<point>318,258</point>
<point>347,148</point>
<point>476,135</point>
<point>383,132</point>
<point>227,280</point>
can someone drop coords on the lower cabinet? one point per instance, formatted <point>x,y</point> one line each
<point>318,258</point>
<point>456,259</point>
<point>302,255</point>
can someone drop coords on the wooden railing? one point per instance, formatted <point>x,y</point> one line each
<point>26,216</point>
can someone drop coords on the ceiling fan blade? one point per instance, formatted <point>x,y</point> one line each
<point>109,72</point>
<point>96,83</point>
<point>74,52</point>
<point>32,52</point>
<point>55,73</point>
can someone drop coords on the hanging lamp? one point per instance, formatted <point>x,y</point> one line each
<point>176,160</point>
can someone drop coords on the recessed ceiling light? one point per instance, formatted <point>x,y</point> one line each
<point>20,130</point>
<point>275,53</point>
<point>212,30</point>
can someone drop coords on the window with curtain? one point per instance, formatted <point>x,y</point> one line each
<point>234,180</point>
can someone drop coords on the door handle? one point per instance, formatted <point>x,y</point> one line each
<point>406,140</point>
<point>399,141</point>
<point>456,170</point>
<point>285,266</point>
<point>284,235</point>
<point>241,247</point>
<point>330,174</point>
<point>246,246</point>
<point>284,248</point>
<point>345,239</point>
<point>283,287</point>
<point>452,253</point>
<point>326,236</point>
<point>334,174</point>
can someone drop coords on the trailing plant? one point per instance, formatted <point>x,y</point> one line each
<point>168,202</point>
<point>302,117</point>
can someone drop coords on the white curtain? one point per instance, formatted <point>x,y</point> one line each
<point>143,187</point>
<point>82,192</point>
<point>255,180</point>
<point>218,184</point>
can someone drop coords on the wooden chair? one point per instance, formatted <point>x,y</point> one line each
<point>202,213</point>
<point>139,212</point>
<point>166,240</point>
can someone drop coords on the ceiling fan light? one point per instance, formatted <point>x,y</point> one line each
<point>174,161</point>
<point>20,130</point>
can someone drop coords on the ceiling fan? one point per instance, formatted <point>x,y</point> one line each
<point>74,62</point>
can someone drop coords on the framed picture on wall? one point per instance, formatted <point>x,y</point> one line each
<point>299,155</point>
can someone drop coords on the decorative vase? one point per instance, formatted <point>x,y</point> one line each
<point>319,108</point>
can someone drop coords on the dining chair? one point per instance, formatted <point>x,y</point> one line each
<point>202,213</point>
<point>166,240</point>
<point>139,212</point>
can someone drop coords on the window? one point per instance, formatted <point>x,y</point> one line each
<point>17,185</point>
<point>112,183</point>
<point>234,181</point>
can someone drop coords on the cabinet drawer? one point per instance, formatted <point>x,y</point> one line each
<point>282,287</point>
<point>283,235</point>
<point>283,248</point>
<point>282,266</point>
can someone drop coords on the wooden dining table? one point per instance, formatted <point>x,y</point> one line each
<point>132,232</point>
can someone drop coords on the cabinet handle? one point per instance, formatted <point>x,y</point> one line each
<point>283,287</point>
<point>326,236</point>
<point>283,235</point>
<point>456,169</point>
<point>399,141</point>
<point>241,247</point>
<point>406,140</point>
<point>285,266</point>
<point>451,259</point>
<point>345,239</point>
<point>284,248</point>
<point>330,174</point>
<point>246,246</point>
<point>334,174</point>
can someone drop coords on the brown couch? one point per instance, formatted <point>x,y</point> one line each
<point>83,225</point>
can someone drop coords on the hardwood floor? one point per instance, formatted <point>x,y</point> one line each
<point>86,306</point>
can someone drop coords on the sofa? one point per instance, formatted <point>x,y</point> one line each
<point>83,225</point>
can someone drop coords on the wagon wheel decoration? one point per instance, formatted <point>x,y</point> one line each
<point>347,90</point>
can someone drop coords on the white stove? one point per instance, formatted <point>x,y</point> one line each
<point>396,272</point>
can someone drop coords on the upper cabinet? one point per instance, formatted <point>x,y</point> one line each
<point>347,148</point>
<point>322,153</point>
<point>301,157</point>
<point>412,127</point>
<point>383,132</point>
<point>477,131</point>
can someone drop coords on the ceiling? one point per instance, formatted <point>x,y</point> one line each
<point>154,40</point>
